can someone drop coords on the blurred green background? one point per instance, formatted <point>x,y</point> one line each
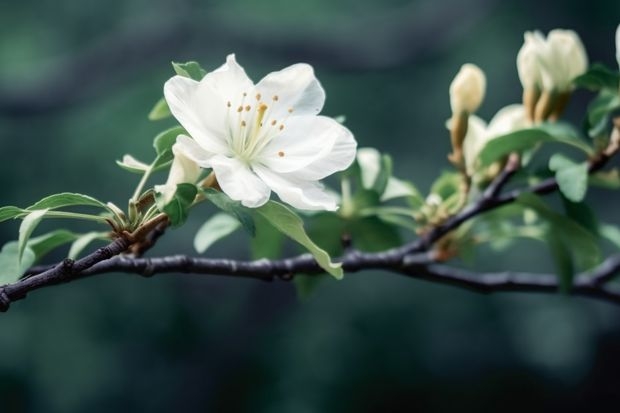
<point>77,79</point>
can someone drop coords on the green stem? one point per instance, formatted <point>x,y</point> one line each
<point>75,215</point>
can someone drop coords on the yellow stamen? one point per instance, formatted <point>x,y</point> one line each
<point>275,98</point>
<point>247,108</point>
<point>290,110</point>
<point>273,122</point>
<point>281,127</point>
<point>240,108</point>
<point>258,96</point>
<point>243,123</point>
<point>280,154</point>
<point>262,108</point>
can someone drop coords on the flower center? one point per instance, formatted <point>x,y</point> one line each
<point>251,127</point>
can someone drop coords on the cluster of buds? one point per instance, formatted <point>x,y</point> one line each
<point>547,68</point>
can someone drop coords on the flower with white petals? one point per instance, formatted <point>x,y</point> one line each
<point>467,89</point>
<point>551,64</point>
<point>183,170</point>
<point>262,137</point>
<point>508,119</point>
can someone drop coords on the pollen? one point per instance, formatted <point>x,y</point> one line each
<point>240,108</point>
<point>243,123</point>
<point>244,94</point>
<point>275,98</point>
<point>290,110</point>
<point>228,104</point>
<point>280,154</point>
<point>258,96</point>
<point>281,127</point>
<point>247,108</point>
<point>273,122</point>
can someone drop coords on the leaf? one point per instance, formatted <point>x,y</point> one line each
<point>216,228</point>
<point>598,77</point>
<point>66,199</point>
<point>9,212</point>
<point>611,233</point>
<point>83,241</point>
<point>606,179</point>
<point>45,243</point>
<point>525,139</point>
<point>375,169</point>
<point>163,141</point>
<point>581,213</point>
<point>267,240</point>
<point>289,223</point>
<point>11,267</point>
<point>397,188</point>
<point>599,112</point>
<point>223,202</point>
<point>561,254</point>
<point>583,245</point>
<point>572,177</point>
<point>131,164</point>
<point>160,110</point>
<point>189,69</point>
<point>28,225</point>
<point>177,209</point>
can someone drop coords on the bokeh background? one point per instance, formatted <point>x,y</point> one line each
<point>77,79</point>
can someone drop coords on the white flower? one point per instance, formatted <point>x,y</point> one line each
<point>264,137</point>
<point>183,170</point>
<point>467,89</point>
<point>551,64</point>
<point>508,119</point>
<point>618,45</point>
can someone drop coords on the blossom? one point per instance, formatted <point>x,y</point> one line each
<point>508,119</point>
<point>551,63</point>
<point>262,137</point>
<point>467,89</point>
<point>183,170</point>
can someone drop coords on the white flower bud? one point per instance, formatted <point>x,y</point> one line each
<point>183,170</point>
<point>467,89</point>
<point>528,60</point>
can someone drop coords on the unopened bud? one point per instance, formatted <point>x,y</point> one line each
<point>467,89</point>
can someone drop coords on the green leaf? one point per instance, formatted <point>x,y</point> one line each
<point>598,77</point>
<point>67,199</point>
<point>599,112</point>
<point>45,243</point>
<point>606,179</point>
<point>524,139</point>
<point>267,240</point>
<point>572,177</point>
<point>223,202</point>
<point>9,212</point>
<point>163,142</point>
<point>131,164</point>
<point>561,254</point>
<point>160,110</point>
<point>375,169</point>
<point>11,267</point>
<point>289,223</point>
<point>177,209</point>
<point>581,213</point>
<point>83,241</point>
<point>189,69</point>
<point>611,233</point>
<point>583,245</point>
<point>28,225</point>
<point>217,227</point>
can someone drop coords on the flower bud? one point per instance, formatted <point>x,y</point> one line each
<point>467,89</point>
<point>183,170</point>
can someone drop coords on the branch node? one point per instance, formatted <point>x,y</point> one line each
<point>5,300</point>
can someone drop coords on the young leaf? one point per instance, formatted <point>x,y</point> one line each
<point>289,223</point>
<point>178,208</point>
<point>611,233</point>
<point>163,142</point>
<point>267,240</point>
<point>45,243</point>
<point>9,212</point>
<point>28,225</point>
<point>599,112</point>
<point>216,228</point>
<point>598,77</point>
<point>189,69</point>
<point>83,241</point>
<point>160,110</point>
<point>11,267</point>
<point>66,199</point>
<point>572,177</point>
<point>131,164</point>
<point>223,202</point>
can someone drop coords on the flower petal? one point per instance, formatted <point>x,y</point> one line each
<point>311,146</point>
<point>230,79</point>
<point>294,87</point>
<point>298,193</point>
<point>200,110</point>
<point>239,182</point>
<point>192,150</point>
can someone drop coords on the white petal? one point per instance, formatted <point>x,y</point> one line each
<point>618,45</point>
<point>298,193</point>
<point>311,146</point>
<point>294,87</point>
<point>192,150</point>
<point>474,141</point>
<point>230,79</point>
<point>508,119</point>
<point>369,160</point>
<point>200,110</point>
<point>239,182</point>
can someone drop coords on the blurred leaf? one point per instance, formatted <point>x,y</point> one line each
<point>372,234</point>
<point>223,202</point>
<point>9,212</point>
<point>178,208</point>
<point>217,227</point>
<point>28,225</point>
<point>67,199</point>
<point>131,164</point>
<point>83,241</point>
<point>561,254</point>
<point>525,139</point>
<point>606,179</point>
<point>11,266</point>
<point>163,141</point>
<point>45,243</point>
<point>611,233</point>
<point>160,110</point>
<point>599,112</point>
<point>289,223</point>
<point>581,213</point>
<point>267,240</point>
<point>189,69</point>
<point>597,77</point>
<point>572,177</point>
<point>397,188</point>
<point>582,243</point>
